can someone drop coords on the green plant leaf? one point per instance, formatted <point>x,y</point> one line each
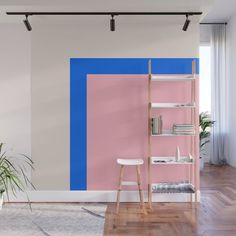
<point>12,173</point>
<point>205,122</point>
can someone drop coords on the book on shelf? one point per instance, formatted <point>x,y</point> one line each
<point>157,125</point>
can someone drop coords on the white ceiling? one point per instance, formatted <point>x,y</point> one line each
<point>124,5</point>
<point>221,11</point>
<point>102,5</point>
<point>213,10</point>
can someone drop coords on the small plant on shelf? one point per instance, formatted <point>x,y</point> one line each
<point>13,178</point>
<point>205,124</point>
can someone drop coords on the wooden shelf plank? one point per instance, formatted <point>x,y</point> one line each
<point>184,160</point>
<point>172,105</point>
<point>128,183</point>
<point>172,78</point>
<point>169,133</point>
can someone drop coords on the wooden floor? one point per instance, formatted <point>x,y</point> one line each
<point>214,216</point>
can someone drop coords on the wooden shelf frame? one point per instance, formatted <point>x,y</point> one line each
<point>192,169</point>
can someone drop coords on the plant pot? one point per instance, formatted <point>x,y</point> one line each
<point>202,162</point>
<point>1,201</point>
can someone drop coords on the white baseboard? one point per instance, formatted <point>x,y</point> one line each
<point>98,196</point>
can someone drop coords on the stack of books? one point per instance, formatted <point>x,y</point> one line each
<point>183,129</point>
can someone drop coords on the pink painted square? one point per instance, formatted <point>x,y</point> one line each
<point>117,127</point>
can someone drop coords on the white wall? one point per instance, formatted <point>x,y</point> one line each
<point>41,58</point>
<point>231,41</point>
<point>54,43</point>
<point>15,91</point>
<point>205,34</point>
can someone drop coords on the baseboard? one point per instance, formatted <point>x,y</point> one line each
<point>98,196</point>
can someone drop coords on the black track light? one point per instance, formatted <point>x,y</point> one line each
<point>112,23</point>
<point>186,24</point>
<point>27,24</point>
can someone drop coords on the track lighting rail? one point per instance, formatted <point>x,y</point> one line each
<point>29,13</point>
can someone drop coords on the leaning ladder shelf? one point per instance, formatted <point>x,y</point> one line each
<point>181,187</point>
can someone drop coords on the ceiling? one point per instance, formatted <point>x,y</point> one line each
<point>102,5</point>
<point>221,11</point>
<point>213,10</point>
<point>119,5</point>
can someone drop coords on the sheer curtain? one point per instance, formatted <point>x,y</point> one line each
<point>219,111</point>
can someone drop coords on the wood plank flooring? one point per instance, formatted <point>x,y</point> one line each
<point>214,216</point>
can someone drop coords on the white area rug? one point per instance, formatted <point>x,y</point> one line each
<point>52,219</point>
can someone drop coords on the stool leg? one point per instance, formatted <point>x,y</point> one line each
<point>119,189</point>
<point>139,188</point>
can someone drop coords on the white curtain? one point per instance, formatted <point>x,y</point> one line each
<point>219,90</point>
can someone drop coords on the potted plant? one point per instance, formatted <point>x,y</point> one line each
<point>12,173</point>
<point>205,124</point>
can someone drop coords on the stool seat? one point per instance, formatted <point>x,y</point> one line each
<point>130,162</point>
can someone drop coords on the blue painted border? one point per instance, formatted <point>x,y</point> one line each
<point>79,68</point>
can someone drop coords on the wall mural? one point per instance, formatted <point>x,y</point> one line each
<point>108,117</point>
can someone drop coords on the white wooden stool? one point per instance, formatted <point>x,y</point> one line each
<point>130,162</point>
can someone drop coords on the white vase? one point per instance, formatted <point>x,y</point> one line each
<point>1,201</point>
<point>177,154</point>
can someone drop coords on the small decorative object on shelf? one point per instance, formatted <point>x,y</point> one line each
<point>190,157</point>
<point>157,125</point>
<point>160,161</point>
<point>177,154</point>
